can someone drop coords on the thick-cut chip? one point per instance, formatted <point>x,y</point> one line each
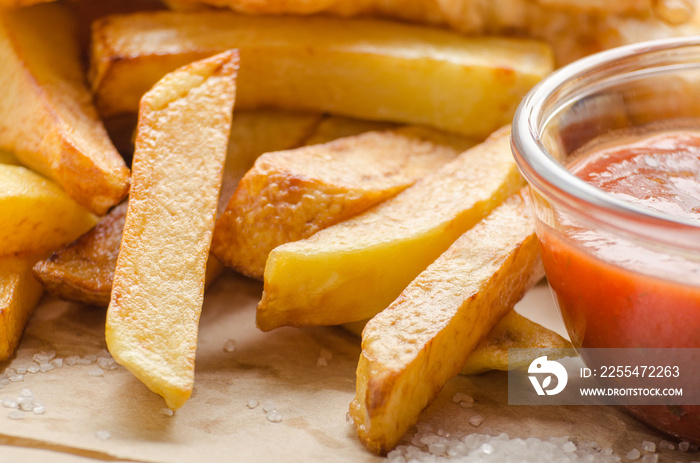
<point>19,294</point>
<point>36,214</point>
<point>513,332</point>
<point>354,269</point>
<point>466,85</point>
<point>290,195</point>
<point>412,348</point>
<point>46,114</point>
<point>158,287</point>
<point>83,271</point>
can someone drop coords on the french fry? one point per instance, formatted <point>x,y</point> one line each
<point>354,269</point>
<point>513,332</point>
<point>46,116</point>
<point>290,195</point>
<point>412,348</point>
<point>19,294</point>
<point>158,286</point>
<point>36,214</point>
<point>83,271</point>
<point>469,86</point>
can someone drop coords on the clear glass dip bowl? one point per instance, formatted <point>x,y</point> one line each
<point>641,287</point>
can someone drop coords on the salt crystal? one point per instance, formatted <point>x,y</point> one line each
<point>487,449</point>
<point>44,367</point>
<point>8,402</point>
<point>10,372</point>
<point>326,354</point>
<point>90,358</point>
<point>96,371</point>
<point>568,447</point>
<point>44,357</point>
<point>26,405</point>
<point>16,378</point>
<point>104,353</point>
<point>437,448</point>
<point>230,345</point>
<point>684,446</point>
<point>166,412</point>
<point>465,404</point>
<point>476,420</point>
<point>26,392</point>
<point>268,405</point>
<point>107,363</point>
<point>39,410</point>
<point>21,369</point>
<point>321,362</point>
<point>664,444</point>
<point>442,433</point>
<point>72,360</point>
<point>15,415</point>
<point>103,435</point>
<point>83,361</point>
<point>649,447</point>
<point>252,403</point>
<point>33,368</point>
<point>461,397</point>
<point>650,458</point>
<point>58,363</point>
<point>348,418</point>
<point>274,416</point>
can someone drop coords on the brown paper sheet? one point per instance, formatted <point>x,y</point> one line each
<point>281,366</point>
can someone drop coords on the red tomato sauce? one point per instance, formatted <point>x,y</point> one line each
<point>604,299</point>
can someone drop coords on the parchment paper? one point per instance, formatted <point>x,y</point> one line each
<point>216,425</point>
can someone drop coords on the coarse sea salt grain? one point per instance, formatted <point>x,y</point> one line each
<point>39,410</point>
<point>21,369</point>
<point>15,415</point>
<point>664,444</point>
<point>476,420</point>
<point>633,454</point>
<point>268,405</point>
<point>96,371</point>
<point>321,362</point>
<point>252,403</point>
<point>16,378</point>
<point>427,446</point>
<point>9,402</point>
<point>103,435</point>
<point>72,360</point>
<point>650,458</point>
<point>230,345</point>
<point>166,411</point>
<point>44,367</point>
<point>683,446</point>
<point>462,397</point>
<point>274,416</point>
<point>58,363</point>
<point>326,354</point>
<point>34,368</point>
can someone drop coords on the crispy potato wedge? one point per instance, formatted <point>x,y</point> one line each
<point>354,269</point>
<point>36,214</point>
<point>469,86</point>
<point>513,332</point>
<point>290,195</point>
<point>83,271</point>
<point>412,348</point>
<point>46,114</point>
<point>158,286</point>
<point>19,294</point>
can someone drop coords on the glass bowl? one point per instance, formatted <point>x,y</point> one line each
<point>623,276</point>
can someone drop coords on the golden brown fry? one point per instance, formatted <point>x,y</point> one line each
<point>466,85</point>
<point>334,127</point>
<point>19,294</point>
<point>158,286</point>
<point>354,269</point>
<point>83,271</point>
<point>513,332</point>
<point>290,195</point>
<point>412,348</point>
<point>46,115</point>
<point>36,214</point>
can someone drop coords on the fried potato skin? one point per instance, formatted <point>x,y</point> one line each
<point>468,85</point>
<point>158,286</point>
<point>354,269</point>
<point>412,348</point>
<point>20,292</point>
<point>290,195</point>
<point>47,118</point>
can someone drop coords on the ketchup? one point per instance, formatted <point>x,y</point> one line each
<point>601,281</point>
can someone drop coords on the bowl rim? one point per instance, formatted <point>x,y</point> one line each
<point>547,175</point>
